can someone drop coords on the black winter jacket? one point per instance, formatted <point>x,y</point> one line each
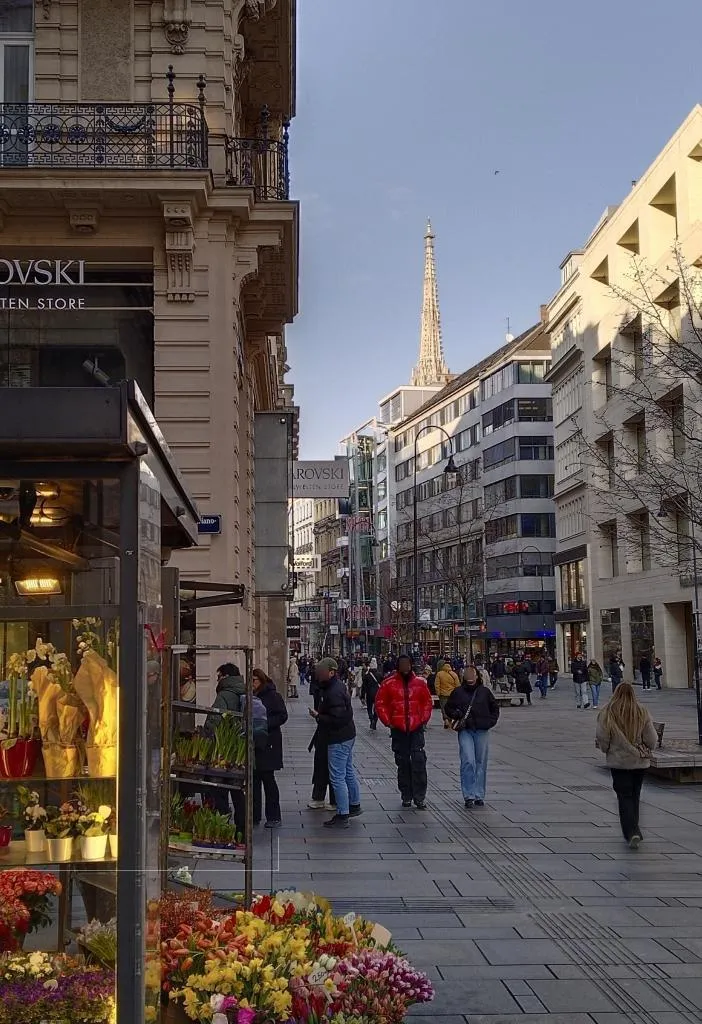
<point>484,710</point>
<point>370,683</point>
<point>335,718</point>
<point>269,757</point>
<point>521,677</point>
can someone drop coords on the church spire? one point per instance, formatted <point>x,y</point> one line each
<point>430,368</point>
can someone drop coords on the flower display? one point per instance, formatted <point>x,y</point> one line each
<point>38,988</point>
<point>287,959</point>
<point>33,812</point>
<point>33,890</point>
<point>14,922</point>
<point>101,941</point>
<point>63,822</point>
<point>95,823</point>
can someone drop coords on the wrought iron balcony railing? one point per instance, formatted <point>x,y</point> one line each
<point>260,163</point>
<point>129,136</point>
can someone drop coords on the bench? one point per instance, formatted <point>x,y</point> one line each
<point>506,700</point>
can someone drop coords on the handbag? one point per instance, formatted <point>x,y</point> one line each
<point>462,722</point>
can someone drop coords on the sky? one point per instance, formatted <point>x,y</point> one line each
<point>405,110</point>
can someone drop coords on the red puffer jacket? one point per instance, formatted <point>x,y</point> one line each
<point>404,705</point>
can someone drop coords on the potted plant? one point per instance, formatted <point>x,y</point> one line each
<point>19,749</point>
<point>112,833</point>
<point>60,710</point>
<point>34,817</point>
<point>35,890</point>
<point>211,829</point>
<point>61,828</point>
<point>93,828</point>
<point>96,685</point>
<point>5,830</point>
<point>229,751</point>
<point>100,941</point>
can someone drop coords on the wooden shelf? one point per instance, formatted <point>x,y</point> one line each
<point>203,853</point>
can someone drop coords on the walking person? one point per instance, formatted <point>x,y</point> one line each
<point>269,752</point>
<point>522,680</point>
<point>614,668</point>
<point>293,677</point>
<point>645,670</point>
<point>473,711</point>
<point>445,683</point>
<point>542,675</point>
<point>370,685</point>
<point>337,730</point>
<point>626,734</point>
<point>552,672</point>
<point>404,704</point>
<point>658,673</point>
<point>595,676</point>
<point>578,668</point>
<point>498,672</point>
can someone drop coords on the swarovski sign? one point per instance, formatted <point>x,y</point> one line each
<point>42,273</point>
<point>321,479</point>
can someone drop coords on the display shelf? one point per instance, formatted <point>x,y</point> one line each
<point>201,853</point>
<point>105,880</point>
<point>197,709</point>
<point>24,779</point>
<point>194,779</point>
<point>15,855</point>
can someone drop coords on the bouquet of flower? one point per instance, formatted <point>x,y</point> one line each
<point>33,889</point>
<point>101,941</point>
<point>37,988</point>
<point>34,814</point>
<point>14,922</point>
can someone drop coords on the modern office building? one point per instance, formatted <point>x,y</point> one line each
<point>485,537</point>
<point>148,233</point>
<point>625,341</point>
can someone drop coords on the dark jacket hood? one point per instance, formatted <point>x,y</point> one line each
<point>236,684</point>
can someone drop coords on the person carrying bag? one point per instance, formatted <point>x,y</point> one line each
<point>472,711</point>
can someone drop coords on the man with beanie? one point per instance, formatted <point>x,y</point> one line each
<point>404,704</point>
<point>336,727</point>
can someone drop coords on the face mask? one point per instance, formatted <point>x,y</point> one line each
<point>405,673</point>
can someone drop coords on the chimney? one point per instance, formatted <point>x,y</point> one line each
<point>543,312</point>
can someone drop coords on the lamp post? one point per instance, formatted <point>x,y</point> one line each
<point>450,469</point>
<point>662,514</point>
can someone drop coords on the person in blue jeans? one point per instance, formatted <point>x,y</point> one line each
<point>472,711</point>
<point>336,728</point>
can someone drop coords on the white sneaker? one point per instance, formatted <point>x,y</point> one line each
<point>330,807</point>
<point>317,805</point>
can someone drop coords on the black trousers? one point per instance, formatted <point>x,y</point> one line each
<point>411,761</point>
<point>320,774</point>
<point>264,782</point>
<point>627,785</point>
<point>370,708</point>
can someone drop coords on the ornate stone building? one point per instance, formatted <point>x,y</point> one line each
<point>149,141</point>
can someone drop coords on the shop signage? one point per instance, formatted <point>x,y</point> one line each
<point>211,525</point>
<point>43,273</point>
<point>321,479</point>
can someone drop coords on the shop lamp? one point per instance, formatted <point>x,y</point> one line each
<point>38,586</point>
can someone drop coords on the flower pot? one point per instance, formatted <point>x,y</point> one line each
<point>93,847</point>
<point>113,846</point>
<point>35,840</point>
<point>59,850</point>
<point>102,762</point>
<point>18,761</point>
<point>5,835</point>
<point>61,762</point>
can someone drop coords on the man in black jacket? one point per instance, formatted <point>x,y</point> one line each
<point>336,728</point>
<point>269,753</point>
<point>578,667</point>
<point>370,684</point>
<point>474,711</point>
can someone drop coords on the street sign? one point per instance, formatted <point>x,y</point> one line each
<point>211,525</point>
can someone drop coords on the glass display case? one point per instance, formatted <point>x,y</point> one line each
<point>91,506</point>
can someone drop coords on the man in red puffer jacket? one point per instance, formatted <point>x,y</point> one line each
<point>404,704</point>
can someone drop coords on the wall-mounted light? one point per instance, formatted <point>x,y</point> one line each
<point>38,586</point>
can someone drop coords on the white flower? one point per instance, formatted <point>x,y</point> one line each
<point>183,874</point>
<point>103,812</point>
<point>51,985</point>
<point>216,1001</point>
<point>31,656</point>
<point>219,1018</point>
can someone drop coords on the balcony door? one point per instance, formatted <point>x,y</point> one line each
<point>16,77</point>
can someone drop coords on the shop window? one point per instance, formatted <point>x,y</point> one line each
<point>642,639</point>
<point>573,585</point>
<point>611,628</point>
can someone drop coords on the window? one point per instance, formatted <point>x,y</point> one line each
<point>382,490</point>
<point>498,381</point>
<point>382,523</point>
<point>573,585</point>
<point>534,410</point>
<point>536,486</point>
<point>503,490</point>
<point>533,373</point>
<point>568,396</point>
<point>641,625</point>
<point>382,462</point>
<point>541,524</point>
<point>530,607</point>
<point>519,563</point>
<point>16,73</point>
<point>608,551</point>
<point>535,448</point>
<point>498,417</point>
<point>611,626</point>
<point>501,529</point>
<point>499,453</point>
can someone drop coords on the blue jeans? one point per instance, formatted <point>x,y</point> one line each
<point>473,748</point>
<point>595,687</point>
<point>342,776</point>
<point>542,683</point>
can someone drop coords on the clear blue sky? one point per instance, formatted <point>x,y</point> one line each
<point>405,110</point>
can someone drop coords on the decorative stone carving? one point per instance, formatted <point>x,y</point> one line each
<point>84,221</point>
<point>180,250</point>
<point>46,7</point>
<point>177,19</point>
<point>255,9</point>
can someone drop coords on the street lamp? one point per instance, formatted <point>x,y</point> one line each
<point>450,469</point>
<point>663,513</point>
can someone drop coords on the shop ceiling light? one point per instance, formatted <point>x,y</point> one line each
<point>47,490</point>
<point>38,586</point>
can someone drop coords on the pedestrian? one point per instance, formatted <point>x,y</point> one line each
<point>230,693</point>
<point>578,667</point>
<point>658,673</point>
<point>645,670</point>
<point>404,704</point>
<point>484,674</point>
<point>522,681</point>
<point>552,672</point>
<point>595,676</point>
<point>293,677</point>
<point>626,734</point>
<point>370,684</point>
<point>445,683</point>
<point>336,727</point>
<point>542,675</point>
<point>498,672</point>
<point>473,711</point>
<point>269,754</point>
<point>615,671</point>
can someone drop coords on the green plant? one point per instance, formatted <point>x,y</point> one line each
<point>229,740</point>
<point>211,827</point>
<point>182,748</point>
<point>34,814</point>
<point>202,749</point>
<point>95,823</point>
<point>96,793</point>
<point>19,720</point>
<point>101,941</point>
<point>62,822</point>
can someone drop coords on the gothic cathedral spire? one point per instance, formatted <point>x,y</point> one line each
<point>431,367</point>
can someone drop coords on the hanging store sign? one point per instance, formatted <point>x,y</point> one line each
<point>320,479</point>
<point>308,563</point>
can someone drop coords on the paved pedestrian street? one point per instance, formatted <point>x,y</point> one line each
<point>531,905</point>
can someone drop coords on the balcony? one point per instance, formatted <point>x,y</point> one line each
<point>260,163</point>
<point>122,136</point>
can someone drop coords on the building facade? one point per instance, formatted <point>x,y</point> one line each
<point>147,232</point>
<point>484,538</point>
<point>624,331</point>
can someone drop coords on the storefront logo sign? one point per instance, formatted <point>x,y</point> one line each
<point>46,274</point>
